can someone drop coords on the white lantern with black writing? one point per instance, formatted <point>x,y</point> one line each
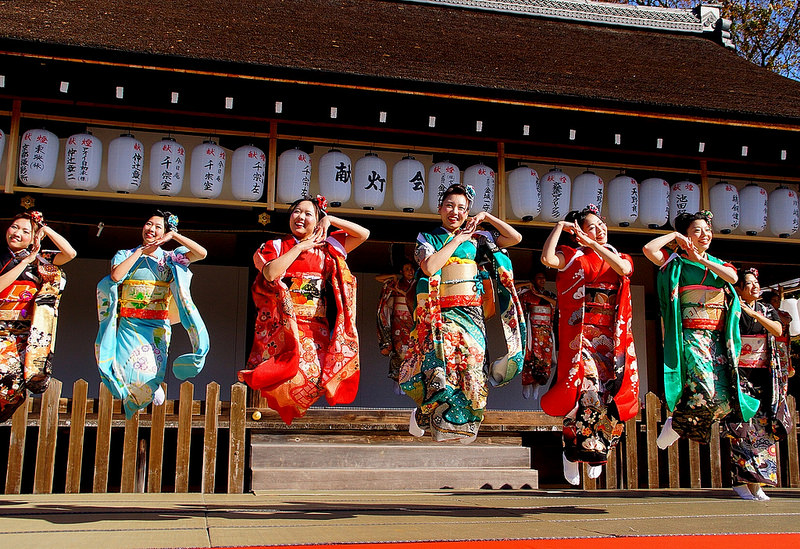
<point>369,180</point>
<point>83,159</point>
<point>167,165</point>
<point>556,187</point>
<point>623,200</point>
<point>684,197</point>
<point>587,189</point>
<point>125,163</point>
<point>782,212</point>
<point>753,209</point>
<point>654,202</point>
<point>481,177</point>
<point>790,305</point>
<point>440,177</point>
<point>408,184</point>
<point>207,171</point>
<point>38,157</point>
<point>335,177</point>
<point>523,189</point>
<point>294,175</point>
<point>248,171</point>
<point>723,198</point>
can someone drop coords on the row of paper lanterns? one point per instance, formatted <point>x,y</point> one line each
<point>83,156</point>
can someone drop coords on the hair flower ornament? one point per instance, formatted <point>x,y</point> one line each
<point>470,192</point>
<point>752,270</point>
<point>322,203</point>
<point>36,216</point>
<point>172,223</point>
<point>593,209</point>
<point>708,214</point>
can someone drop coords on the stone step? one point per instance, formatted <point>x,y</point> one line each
<point>386,456</point>
<point>464,478</point>
<point>375,438</point>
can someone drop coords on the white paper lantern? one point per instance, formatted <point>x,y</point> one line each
<point>587,189</point>
<point>369,180</point>
<point>684,197</point>
<point>556,186</point>
<point>408,184</point>
<point>248,170</point>
<point>753,209</point>
<point>523,189</point>
<point>38,156</point>
<point>207,170</point>
<point>125,162</point>
<point>83,159</point>
<point>481,177</point>
<point>335,177</point>
<point>294,175</point>
<point>2,144</point>
<point>167,164</point>
<point>724,202</point>
<point>783,214</point>
<point>623,200</point>
<point>790,305</point>
<point>654,202</point>
<point>440,177</point>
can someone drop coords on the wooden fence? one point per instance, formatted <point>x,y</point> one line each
<point>635,463</point>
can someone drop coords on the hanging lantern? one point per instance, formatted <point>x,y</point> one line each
<point>523,189</point>
<point>684,197</point>
<point>83,158</point>
<point>654,202</point>
<point>207,170</point>
<point>623,200</point>
<point>125,161</point>
<point>481,177</point>
<point>753,209</point>
<point>294,175</point>
<point>408,184</point>
<point>587,189</point>
<point>167,162</point>
<point>38,156</point>
<point>782,212</point>
<point>248,169</point>
<point>790,305</point>
<point>369,180</point>
<point>556,186</point>
<point>335,177</point>
<point>723,199</point>
<point>440,177</point>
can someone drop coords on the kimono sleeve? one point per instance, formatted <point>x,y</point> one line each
<point>568,252</point>
<point>268,251</point>
<point>337,240</point>
<point>121,256</point>
<point>423,249</point>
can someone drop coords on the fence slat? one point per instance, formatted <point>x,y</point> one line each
<point>184,438</point>
<point>210,439</point>
<point>653,411</point>
<point>77,428</point>
<point>158,419</point>
<point>674,464</point>
<point>611,469</point>
<point>715,457</point>
<point>100,482</point>
<point>46,445</point>
<point>16,449</point>
<point>631,454</point>
<point>128,481</point>
<point>588,483</point>
<point>791,440</point>
<point>694,464</point>
<point>236,450</point>
<point>141,466</point>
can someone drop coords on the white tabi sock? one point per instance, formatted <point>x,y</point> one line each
<point>159,396</point>
<point>572,471</point>
<point>757,492</point>
<point>413,428</point>
<point>743,492</point>
<point>594,471</point>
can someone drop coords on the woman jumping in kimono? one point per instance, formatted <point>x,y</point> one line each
<point>700,311</point>
<point>394,319</point>
<point>539,305</point>
<point>447,372</point>
<point>597,384</point>
<point>147,290</point>
<point>305,342</point>
<point>765,377</point>
<point>30,287</point>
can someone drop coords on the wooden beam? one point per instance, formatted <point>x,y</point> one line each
<point>12,148</point>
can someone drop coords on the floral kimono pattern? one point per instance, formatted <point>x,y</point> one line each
<point>765,377</point>
<point>446,371</point>
<point>28,319</point>
<point>133,340</point>
<point>701,348</point>
<point>597,381</point>
<point>395,324</point>
<point>305,343</point>
<point>540,350</point>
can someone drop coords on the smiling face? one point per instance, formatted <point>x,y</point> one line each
<point>19,234</point>
<point>454,211</point>
<point>153,230</point>
<point>595,228</point>
<point>750,290</point>
<point>303,219</point>
<point>408,272</point>
<point>699,234</point>
<point>539,281</point>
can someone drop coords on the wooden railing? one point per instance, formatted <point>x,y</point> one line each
<point>635,463</point>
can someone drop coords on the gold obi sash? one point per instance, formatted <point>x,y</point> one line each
<point>600,304</point>
<point>459,286</point>
<point>14,299</point>
<point>149,299</point>
<point>702,307</point>
<point>540,315</point>
<point>307,297</point>
<point>755,352</point>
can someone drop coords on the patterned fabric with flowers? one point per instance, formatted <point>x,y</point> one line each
<point>395,323</point>
<point>540,351</point>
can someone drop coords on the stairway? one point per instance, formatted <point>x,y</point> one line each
<point>387,462</point>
